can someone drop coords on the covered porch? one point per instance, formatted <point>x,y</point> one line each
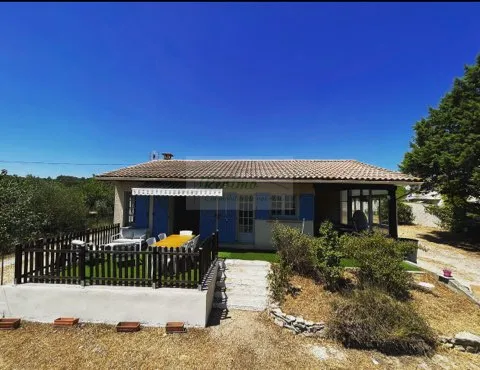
<point>338,202</point>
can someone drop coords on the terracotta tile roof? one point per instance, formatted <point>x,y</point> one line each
<point>303,169</point>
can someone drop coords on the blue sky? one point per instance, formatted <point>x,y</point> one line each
<point>108,83</point>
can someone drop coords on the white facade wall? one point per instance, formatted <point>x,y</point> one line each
<point>263,231</point>
<point>262,228</point>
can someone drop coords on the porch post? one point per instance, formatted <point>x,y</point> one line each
<point>216,216</point>
<point>392,213</point>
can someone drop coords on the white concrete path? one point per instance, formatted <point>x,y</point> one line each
<point>243,285</point>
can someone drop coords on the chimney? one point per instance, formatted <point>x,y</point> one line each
<point>167,156</point>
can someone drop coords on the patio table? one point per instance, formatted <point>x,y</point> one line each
<point>174,240</point>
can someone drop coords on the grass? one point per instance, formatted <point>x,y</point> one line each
<point>244,340</point>
<point>250,256</point>
<point>350,262</point>
<point>447,311</point>
<point>128,270</point>
<point>273,257</point>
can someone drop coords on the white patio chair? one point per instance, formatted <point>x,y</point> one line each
<point>150,241</point>
<point>161,236</point>
<point>195,241</point>
<point>186,232</point>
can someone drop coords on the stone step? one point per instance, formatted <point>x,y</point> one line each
<point>234,298</point>
<point>234,262</point>
<point>254,303</point>
<point>232,275</point>
<point>233,293</point>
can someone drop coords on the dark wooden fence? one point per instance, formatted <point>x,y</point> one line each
<point>58,262</point>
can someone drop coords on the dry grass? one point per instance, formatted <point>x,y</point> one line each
<point>446,311</point>
<point>246,340</point>
<point>313,302</point>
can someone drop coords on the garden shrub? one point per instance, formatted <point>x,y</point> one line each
<point>278,279</point>
<point>295,249</point>
<point>371,319</point>
<point>379,258</point>
<point>328,256</point>
<point>404,213</point>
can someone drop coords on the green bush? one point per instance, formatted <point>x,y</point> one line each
<point>371,319</point>
<point>295,249</point>
<point>278,280</point>
<point>379,258</point>
<point>328,256</point>
<point>404,213</point>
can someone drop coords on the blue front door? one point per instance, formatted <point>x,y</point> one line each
<point>227,221</point>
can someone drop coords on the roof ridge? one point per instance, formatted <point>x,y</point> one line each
<point>251,160</point>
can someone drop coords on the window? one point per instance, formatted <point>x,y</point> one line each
<point>283,205</point>
<point>129,209</point>
<point>371,202</point>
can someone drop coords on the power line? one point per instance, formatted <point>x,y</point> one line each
<point>68,163</point>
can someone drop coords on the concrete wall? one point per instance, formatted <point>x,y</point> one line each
<point>102,304</point>
<point>211,282</point>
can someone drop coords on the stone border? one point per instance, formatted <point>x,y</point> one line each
<point>298,325</point>
<point>463,342</point>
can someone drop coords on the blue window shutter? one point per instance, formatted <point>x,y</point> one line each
<point>160,215</point>
<point>262,202</point>
<point>141,211</point>
<point>208,219</point>
<point>307,204</point>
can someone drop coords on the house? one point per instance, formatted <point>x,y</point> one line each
<point>243,198</point>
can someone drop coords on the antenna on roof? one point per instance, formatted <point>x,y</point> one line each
<point>153,155</point>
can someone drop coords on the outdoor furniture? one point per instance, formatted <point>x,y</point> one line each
<point>360,221</point>
<point>129,234</point>
<point>161,236</point>
<point>186,232</point>
<point>174,240</point>
<point>151,241</point>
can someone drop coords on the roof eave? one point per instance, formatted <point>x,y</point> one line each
<point>331,181</point>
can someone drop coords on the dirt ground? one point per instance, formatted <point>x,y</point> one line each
<point>243,340</point>
<point>443,250</point>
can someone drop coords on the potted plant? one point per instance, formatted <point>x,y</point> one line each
<point>447,272</point>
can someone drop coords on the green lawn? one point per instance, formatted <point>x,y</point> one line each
<point>349,262</point>
<point>272,257</point>
<point>250,256</point>
<point>127,270</point>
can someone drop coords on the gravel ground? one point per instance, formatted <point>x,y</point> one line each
<point>465,265</point>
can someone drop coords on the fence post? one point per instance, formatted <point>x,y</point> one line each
<point>154,267</point>
<point>81,264</point>
<point>18,264</point>
<point>200,267</point>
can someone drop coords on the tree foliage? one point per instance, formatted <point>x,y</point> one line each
<point>445,151</point>
<point>33,207</point>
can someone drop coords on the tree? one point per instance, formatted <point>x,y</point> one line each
<point>445,151</point>
<point>18,220</point>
